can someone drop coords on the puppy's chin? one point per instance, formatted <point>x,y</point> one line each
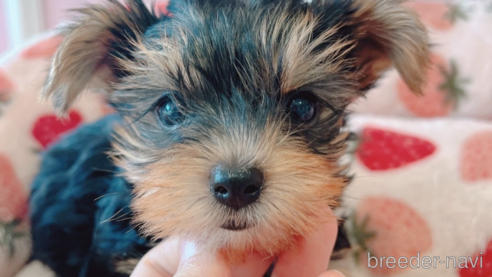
<point>233,225</point>
<point>243,241</point>
<point>237,241</point>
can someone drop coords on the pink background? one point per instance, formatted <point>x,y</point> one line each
<point>3,29</point>
<point>54,12</point>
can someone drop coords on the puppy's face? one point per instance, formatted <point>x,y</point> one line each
<point>233,109</point>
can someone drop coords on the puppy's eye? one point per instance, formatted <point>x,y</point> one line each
<point>168,112</point>
<point>302,108</point>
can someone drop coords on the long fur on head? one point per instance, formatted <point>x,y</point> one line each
<point>91,44</point>
<point>386,33</point>
<point>232,66</point>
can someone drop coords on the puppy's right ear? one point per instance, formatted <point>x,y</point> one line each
<point>92,45</point>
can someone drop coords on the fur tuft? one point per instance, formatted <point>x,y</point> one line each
<point>390,33</point>
<point>91,43</point>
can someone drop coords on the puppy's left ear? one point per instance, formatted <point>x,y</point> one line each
<point>387,33</point>
<point>92,45</point>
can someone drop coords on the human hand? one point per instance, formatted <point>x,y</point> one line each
<point>184,259</point>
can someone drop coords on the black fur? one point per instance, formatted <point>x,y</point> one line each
<point>142,18</point>
<point>80,207</point>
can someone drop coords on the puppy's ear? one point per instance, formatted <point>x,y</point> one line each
<point>390,33</point>
<point>100,35</point>
<point>387,33</point>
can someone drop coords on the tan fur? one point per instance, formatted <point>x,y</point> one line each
<point>301,67</point>
<point>298,185</point>
<point>391,35</point>
<point>126,266</point>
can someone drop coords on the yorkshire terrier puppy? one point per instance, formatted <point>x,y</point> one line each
<point>227,130</point>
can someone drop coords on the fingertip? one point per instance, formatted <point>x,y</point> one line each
<point>161,260</point>
<point>255,265</point>
<point>313,252</point>
<point>332,273</point>
<point>198,262</point>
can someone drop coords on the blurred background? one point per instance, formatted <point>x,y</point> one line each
<point>423,164</point>
<point>22,20</point>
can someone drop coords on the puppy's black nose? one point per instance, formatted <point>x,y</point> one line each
<point>236,188</point>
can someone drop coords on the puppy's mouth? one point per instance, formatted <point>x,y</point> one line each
<point>232,225</point>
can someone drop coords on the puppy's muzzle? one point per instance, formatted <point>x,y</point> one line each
<point>236,188</point>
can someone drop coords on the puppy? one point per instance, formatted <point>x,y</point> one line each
<point>227,130</point>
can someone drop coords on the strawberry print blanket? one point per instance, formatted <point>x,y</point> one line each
<point>420,201</point>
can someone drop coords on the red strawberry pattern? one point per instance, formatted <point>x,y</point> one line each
<point>6,86</point>
<point>381,149</point>
<point>442,92</point>
<point>48,128</point>
<point>104,106</point>
<point>43,49</point>
<point>107,109</point>
<point>433,14</point>
<point>387,227</point>
<point>483,267</point>
<point>13,209</point>
<point>161,7</point>
<point>13,198</point>
<point>476,157</point>
<point>457,12</point>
